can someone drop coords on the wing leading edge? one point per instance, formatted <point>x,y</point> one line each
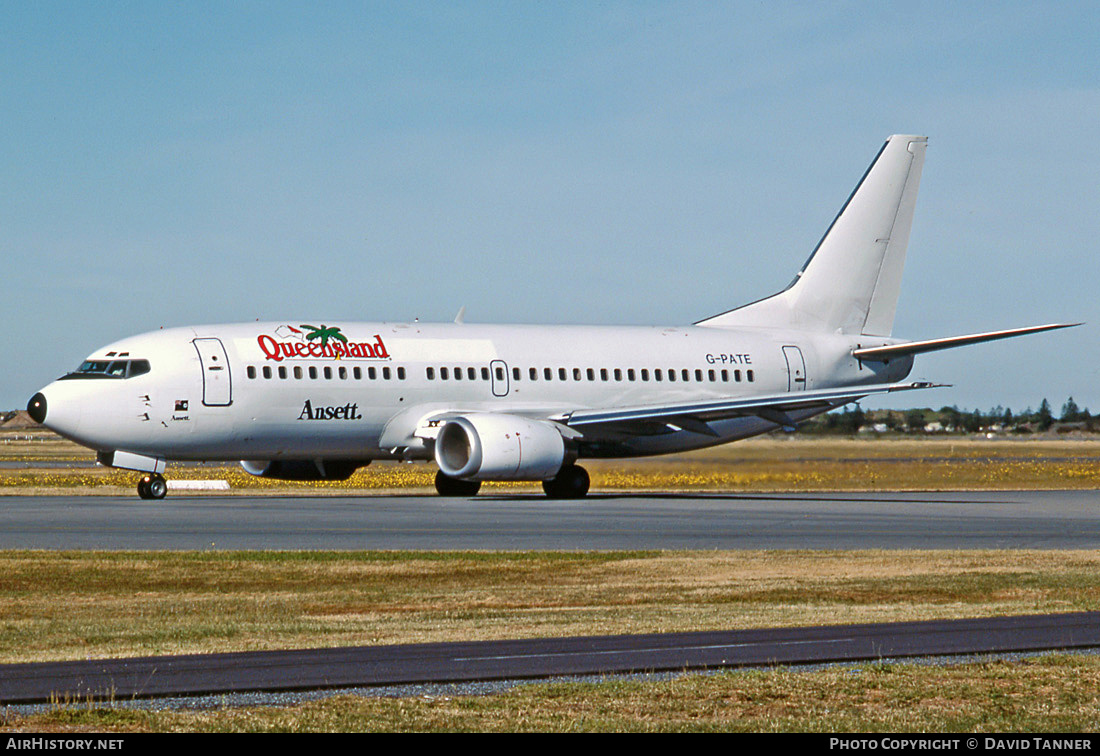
<point>695,416</point>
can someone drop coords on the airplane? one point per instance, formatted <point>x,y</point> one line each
<point>306,400</point>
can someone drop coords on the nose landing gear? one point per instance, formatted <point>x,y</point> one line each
<point>152,486</point>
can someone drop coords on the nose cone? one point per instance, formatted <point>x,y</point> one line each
<point>36,408</point>
<point>61,407</point>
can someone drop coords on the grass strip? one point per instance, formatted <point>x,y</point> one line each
<point>75,605</point>
<point>86,604</point>
<point>765,464</point>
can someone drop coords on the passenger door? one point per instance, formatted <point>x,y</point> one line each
<point>217,382</point>
<point>796,368</point>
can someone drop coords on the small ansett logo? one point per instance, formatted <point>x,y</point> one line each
<point>318,342</point>
<point>346,412</point>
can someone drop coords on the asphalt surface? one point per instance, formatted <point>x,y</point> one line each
<point>936,520</point>
<point>537,658</point>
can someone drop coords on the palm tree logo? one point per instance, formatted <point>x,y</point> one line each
<point>324,333</point>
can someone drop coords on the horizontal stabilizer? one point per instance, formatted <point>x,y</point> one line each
<point>881,353</point>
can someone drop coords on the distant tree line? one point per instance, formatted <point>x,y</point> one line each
<point>854,419</point>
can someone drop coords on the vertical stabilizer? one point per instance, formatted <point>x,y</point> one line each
<point>851,282</point>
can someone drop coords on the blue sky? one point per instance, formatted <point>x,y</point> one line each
<point>595,162</point>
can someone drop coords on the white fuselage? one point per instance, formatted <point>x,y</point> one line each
<point>265,391</point>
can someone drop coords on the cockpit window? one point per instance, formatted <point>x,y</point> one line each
<point>109,369</point>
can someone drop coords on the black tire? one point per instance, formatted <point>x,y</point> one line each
<point>448,486</point>
<point>143,488</point>
<point>158,487</point>
<point>570,483</point>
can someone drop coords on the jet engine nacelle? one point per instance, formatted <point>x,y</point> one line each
<point>303,469</point>
<point>499,447</point>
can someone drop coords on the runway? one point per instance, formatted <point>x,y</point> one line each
<point>536,658</point>
<point>936,520</point>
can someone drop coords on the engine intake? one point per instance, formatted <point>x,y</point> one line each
<point>499,447</point>
<point>303,469</point>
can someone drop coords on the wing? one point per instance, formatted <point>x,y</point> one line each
<point>695,416</point>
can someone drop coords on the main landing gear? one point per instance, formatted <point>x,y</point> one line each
<point>152,486</point>
<point>448,486</point>
<point>570,483</point>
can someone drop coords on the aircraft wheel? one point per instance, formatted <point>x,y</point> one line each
<point>570,483</point>
<point>152,487</point>
<point>158,487</point>
<point>448,486</point>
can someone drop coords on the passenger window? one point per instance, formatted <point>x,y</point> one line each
<point>400,373</point>
<point>603,374</point>
<point>547,373</point>
<point>516,373</point>
<point>328,374</point>
<point>576,374</point>
<point>343,373</point>
<point>298,372</point>
<point>750,376</point>
<point>372,373</point>
<point>630,374</point>
<point>251,370</point>
<point>443,373</point>
<point>533,374</point>
<point>471,373</point>
<point>430,374</point>
<point>267,371</point>
<point>312,373</point>
<point>458,374</point>
<point>357,373</point>
<point>385,373</point>
<point>737,376</point>
<point>282,371</point>
<point>618,374</point>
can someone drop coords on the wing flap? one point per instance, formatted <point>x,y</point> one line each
<point>693,416</point>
